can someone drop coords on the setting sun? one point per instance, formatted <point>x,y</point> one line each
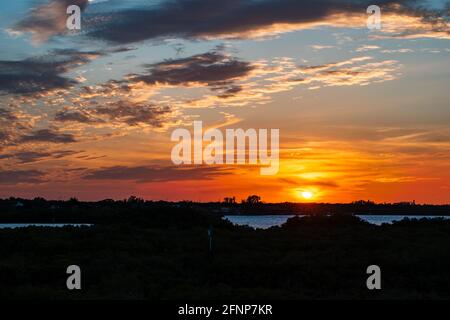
<point>307,195</point>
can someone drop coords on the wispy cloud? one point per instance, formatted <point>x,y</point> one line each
<point>34,156</point>
<point>321,47</point>
<point>48,135</point>
<point>366,47</point>
<point>145,174</point>
<point>20,176</point>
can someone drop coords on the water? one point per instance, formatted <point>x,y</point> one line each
<point>259,222</point>
<point>267,221</point>
<point>379,220</point>
<point>52,225</point>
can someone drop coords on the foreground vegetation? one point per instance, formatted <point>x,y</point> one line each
<point>163,253</point>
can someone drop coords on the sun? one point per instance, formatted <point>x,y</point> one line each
<point>307,195</point>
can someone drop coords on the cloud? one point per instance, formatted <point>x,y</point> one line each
<point>211,79</point>
<point>321,47</point>
<point>48,135</point>
<point>231,91</point>
<point>366,47</point>
<point>20,176</point>
<point>133,114</point>
<point>34,156</point>
<point>211,69</point>
<point>120,112</point>
<point>48,19</point>
<point>145,174</point>
<point>12,125</point>
<point>75,116</point>
<point>355,71</point>
<point>209,19</point>
<point>283,74</point>
<point>7,115</point>
<point>215,70</point>
<point>402,50</point>
<point>231,19</point>
<point>41,74</point>
<point>4,136</point>
<point>309,182</point>
<point>241,83</point>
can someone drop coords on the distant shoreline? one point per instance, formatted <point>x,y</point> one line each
<point>39,210</point>
<point>358,214</point>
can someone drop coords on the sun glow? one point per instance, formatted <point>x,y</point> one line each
<point>307,195</point>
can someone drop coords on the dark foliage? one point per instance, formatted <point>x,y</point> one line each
<point>162,253</point>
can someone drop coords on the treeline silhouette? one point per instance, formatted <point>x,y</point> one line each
<point>17,210</point>
<point>132,211</point>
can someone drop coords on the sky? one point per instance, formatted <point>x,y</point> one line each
<point>362,113</point>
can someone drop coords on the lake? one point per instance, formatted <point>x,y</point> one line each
<point>267,221</point>
<point>52,225</point>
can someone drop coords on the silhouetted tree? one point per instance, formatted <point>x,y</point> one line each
<point>134,199</point>
<point>253,199</point>
<point>231,200</point>
<point>73,201</point>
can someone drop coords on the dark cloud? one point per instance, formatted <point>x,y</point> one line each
<point>230,92</point>
<point>33,156</point>
<point>4,136</point>
<point>125,112</point>
<point>144,174</point>
<point>122,49</point>
<point>48,135</point>
<point>12,124</point>
<point>75,116</point>
<point>20,176</point>
<point>194,19</point>
<point>89,157</point>
<point>41,74</point>
<point>133,114</point>
<point>214,69</point>
<point>142,20</point>
<point>211,68</point>
<point>7,116</point>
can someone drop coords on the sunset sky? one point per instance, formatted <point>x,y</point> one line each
<point>362,114</point>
